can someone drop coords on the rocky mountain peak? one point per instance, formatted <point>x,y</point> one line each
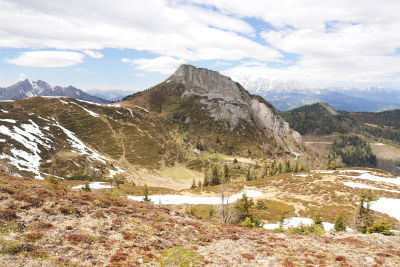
<point>208,83</point>
<point>228,101</point>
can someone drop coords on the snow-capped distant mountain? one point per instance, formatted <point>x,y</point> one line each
<point>286,95</point>
<point>26,88</point>
<point>264,85</point>
<point>111,95</point>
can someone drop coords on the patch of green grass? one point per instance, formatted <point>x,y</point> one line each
<point>10,247</point>
<point>179,172</point>
<point>274,211</point>
<point>179,256</point>
<point>8,227</point>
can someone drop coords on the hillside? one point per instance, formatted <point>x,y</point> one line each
<point>47,224</point>
<point>166,135</point>
<point>320,124</point>
<point>26,88</point>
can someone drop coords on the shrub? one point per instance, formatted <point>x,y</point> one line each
<point>248,223</point>
<point>7,215</point>
<point>261,205</point>
<point>306,229</point>
<point>381,227</point>
<point>33,236</point>
<point>75,239</point>
<point>86,187</point>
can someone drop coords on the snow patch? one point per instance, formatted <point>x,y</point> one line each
<point>390,206</point>
<point>8,120</point>
<point>5,111</point>
<point>295,222</point>
<point>88,111</point>
<point>195,200</point>
<point>88,102</point>
<point>375,178</point>
<point>142,109</point>
<point>79,146</point>
<point>358,185</point>
<point>325,171</point>
<point>94,185</point>
<point>114,172</point>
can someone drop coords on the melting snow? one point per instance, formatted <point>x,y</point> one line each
<point>114,105</point>
<point>389,206</point>
<point>181,199</point>
<point>80,146</point>
<point>8,120</point>
<point>5,111</point>
<point>302,175</point>
<point>130,111</point>
<point>29,136</point>
<point>142,109</point>
<point>92,103</point>
<point>358,185</point>
<point>112,172</point>
<point>94,185</point>
<point>88,111</point>
<point>368,176</point>
<point>325,171</point>
<point>295,222</point>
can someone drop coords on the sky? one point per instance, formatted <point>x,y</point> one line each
<point>132,45</point>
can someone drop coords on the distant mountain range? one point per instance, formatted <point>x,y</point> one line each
<point>26,88</point>
<point>286,95</point>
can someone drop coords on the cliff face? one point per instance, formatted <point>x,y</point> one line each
<point>228,101</point>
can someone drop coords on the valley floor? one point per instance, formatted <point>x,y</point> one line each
<point>49,224</point>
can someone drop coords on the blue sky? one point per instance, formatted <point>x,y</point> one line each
<point>132,45</point>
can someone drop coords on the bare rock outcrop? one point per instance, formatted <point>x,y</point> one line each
<point>228,101</point>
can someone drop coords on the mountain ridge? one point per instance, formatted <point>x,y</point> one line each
<point>286,95</point>
<point>26,88</point>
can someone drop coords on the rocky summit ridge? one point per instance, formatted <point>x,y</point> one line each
<point>228,101</point>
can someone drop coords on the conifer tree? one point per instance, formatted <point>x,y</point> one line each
<point>318,220</point>
<point>340,225</point>
<point>364,217</point>
<point>248,176</point>
<point>146,194</point>
<point>226,174</point>
<point>296,167</point>
<point>215,180</point>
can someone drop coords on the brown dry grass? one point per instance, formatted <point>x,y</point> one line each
<point>63,227</point>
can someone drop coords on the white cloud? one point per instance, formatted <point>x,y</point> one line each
<point>21,76</point>
<point>168,28</point>
<point>163,65</point>
<point>47,59</point>
<point>93,54</point>
<point>335,40</point>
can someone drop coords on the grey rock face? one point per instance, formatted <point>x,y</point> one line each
<point>228,101</point>
<point>26,88</point>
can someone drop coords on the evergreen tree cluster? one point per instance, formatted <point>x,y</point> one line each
<point>354,151</point>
